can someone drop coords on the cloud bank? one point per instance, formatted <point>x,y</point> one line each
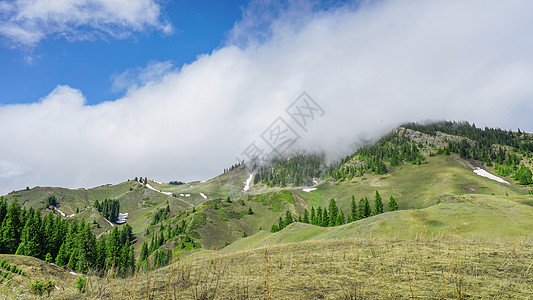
<point>369,67</point>
<point>26,23</point>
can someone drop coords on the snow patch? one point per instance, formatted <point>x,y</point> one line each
<point>158,182</point>
<point>308,190</point>
<point>247,183</point>
<point>156,190</point>
<point>182,195</point>
<point>73,273</point>
<point>65,215</point>
<point>315,182</point>
<point>122,218</point>
<point>203,196</point>
<point>486,174</point>
<point>57,288</point>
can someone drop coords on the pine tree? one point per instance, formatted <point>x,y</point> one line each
<point>367,209</point>
<point>524,175</point>
<point>73,260</point>
<point>353,210</point>
<point>340,219</point>
<point>361,210</point>
<point>48,257</point>
<point>62,258</point>
<point>333,212</point>
<point>288,218</point>
<point>126,234</point>
<point>315,217</point>
<point>325,218</point>
<point>71,237</point>
<point>306,216</point>
<point>31,237</point>
<point>250,212</point>
<point>47,234</point>
<point>11,227</point>
<point>101,254</point>
<point>114,245</point>
<point>3,212</point>
<point>144,252</point>
<point>378,203</point>
<point>392,204</point>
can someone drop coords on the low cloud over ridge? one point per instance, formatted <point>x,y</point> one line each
<point>369,67</point>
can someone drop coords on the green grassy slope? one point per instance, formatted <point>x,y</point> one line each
<point>413,186</point>
<point>468,216</point>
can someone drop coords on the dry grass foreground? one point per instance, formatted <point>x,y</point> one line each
<point>426,268</point>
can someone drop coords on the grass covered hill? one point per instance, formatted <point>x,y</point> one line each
<point>302,228</point>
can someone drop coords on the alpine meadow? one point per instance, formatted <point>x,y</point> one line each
<point>266,149</point>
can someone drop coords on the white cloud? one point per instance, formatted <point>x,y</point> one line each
<point>26,23</point>
<point>369,68</point>
<point>134,78</point>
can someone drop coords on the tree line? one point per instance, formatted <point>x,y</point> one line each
<point>298,170</point>
<point>486,145</point>
<point>395,149</point>
<point>110,208</point>
<point>65,242</point>
<point>333,216</point>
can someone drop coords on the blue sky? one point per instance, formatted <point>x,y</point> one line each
<point>99,91</point>
<point>199,27</point>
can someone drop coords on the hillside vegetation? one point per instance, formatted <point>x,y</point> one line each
<point>403,217</point>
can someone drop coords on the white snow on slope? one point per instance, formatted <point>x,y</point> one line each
<point>315,182</point>
<point>112,225</point>
<point>65,215</point>
<point>308,190</point>
<point>203,196</point>
<point>486,174</point>
<point>122,218</point>
<point>247,183</point>
<point>154,189</point>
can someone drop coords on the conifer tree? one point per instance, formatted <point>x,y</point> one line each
<point>325,218</point>
<point>31,237</point>
<point>114,245</point>
<point>47,234</point>
<point>333,212</point>
<point>73,260</point>
<point>11,227</point>
<point>367,209</point>
<point>361,209</point>
<point>3,212</point>
<point>353,210</point>
<point>378,203</point>
<point>144,252</point>
<point>101,254</point>
<point>62,258</point>
<point>392,204</point>
<point>288,218</point>
<point>318,220</point>
<point>306,216</point>
<point>340,219</point>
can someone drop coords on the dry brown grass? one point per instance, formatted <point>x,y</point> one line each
<point>421,268</point>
